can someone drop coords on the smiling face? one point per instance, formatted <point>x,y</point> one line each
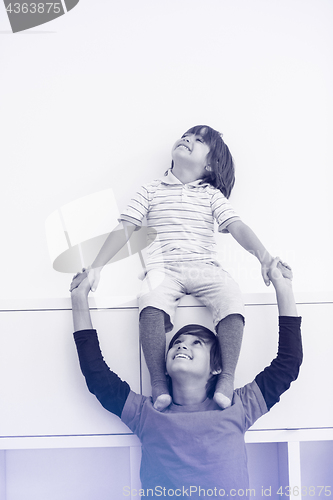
<point>190,355</point>
<point>191,151</point>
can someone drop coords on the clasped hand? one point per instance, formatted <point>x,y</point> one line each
<point>93,275</point>
<point>274,266</point>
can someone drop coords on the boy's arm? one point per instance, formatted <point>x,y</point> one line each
<point>80,306</point>
<point>244,235</point>
<point>108,388</point>
<point>283,288</point>
<point>284,369</point>
<point>113,243</point>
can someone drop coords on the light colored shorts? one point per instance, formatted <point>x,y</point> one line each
<point>215,288</point>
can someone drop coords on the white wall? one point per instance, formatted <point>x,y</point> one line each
<point>43,392</point>
<point>96,99</point>
<point>74,474</point>
<point>60,443</point>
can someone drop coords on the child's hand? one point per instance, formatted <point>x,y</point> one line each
<point>265,266</point>
<point>280,273</point>
<point>285,270</point>
<point>93,276</point>
<point>80,284</point>
<point>283,267</point>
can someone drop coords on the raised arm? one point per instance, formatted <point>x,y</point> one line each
<point>113,243</point>
<point>283,288</point>
<point>284,369</point>
<point>80,307</point>
<point>108,388</point>
<point>244,235</point>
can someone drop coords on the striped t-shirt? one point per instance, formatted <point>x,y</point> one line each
<point>183,216</point>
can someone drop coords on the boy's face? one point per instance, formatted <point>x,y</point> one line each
<point>193,150</point>
<point>190,354</point>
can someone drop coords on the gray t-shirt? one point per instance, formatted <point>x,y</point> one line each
<point>195,446</point>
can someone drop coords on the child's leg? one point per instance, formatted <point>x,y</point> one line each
<point>230,334</point>
<point>217,290</point>
<point>152,337</point>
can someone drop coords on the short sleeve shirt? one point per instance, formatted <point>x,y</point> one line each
<point>197,445</point>
<point>183,216</point>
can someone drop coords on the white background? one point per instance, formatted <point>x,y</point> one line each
<point>96,98</point>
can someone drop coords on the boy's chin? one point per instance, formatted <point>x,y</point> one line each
<point>179,371</point>
<point>187,373</point>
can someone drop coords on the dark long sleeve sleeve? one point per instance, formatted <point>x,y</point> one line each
<point>276,378</point>
<point>108,388</point>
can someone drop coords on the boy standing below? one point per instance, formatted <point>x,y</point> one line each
<point>193,447</point>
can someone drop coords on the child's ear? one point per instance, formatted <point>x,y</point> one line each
<point>216,372</point>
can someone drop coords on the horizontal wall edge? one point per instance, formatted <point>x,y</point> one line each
<point>130,302</point>
<point>129,440</point>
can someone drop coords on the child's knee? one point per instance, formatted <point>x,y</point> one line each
<point>151,312</point>
<point>235,319</point>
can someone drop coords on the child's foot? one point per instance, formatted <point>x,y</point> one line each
<point>161,397</point>
<point>222,400</point>
<point>224,391</point>
<point>162,402</point>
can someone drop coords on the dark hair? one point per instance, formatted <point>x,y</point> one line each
<point>215,352</point>
<point>222,174</point>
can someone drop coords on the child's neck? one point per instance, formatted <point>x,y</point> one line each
<point>185,175</point>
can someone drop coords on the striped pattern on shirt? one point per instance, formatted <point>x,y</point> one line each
<point>183,216</point>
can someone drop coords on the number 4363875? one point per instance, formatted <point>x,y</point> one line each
<point>310,491</point>
<point>34,8</point>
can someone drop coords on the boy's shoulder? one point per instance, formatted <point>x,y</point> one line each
<point>149,189</point>
<point>152,184</point>
<point>212,190</point>
<point>156,182</point>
